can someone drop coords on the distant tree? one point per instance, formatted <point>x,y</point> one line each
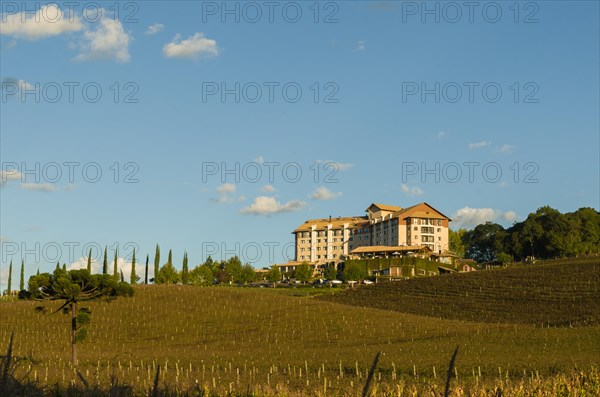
<point>185,273</point>
<point>64,267</point>
<point>274,275</point>
<point>89,261</point>
<point>22,279</point>
<point>330,272</point>
<point>105,262</point>
<point>170,258</point>
<point>167,275</point>
<point>72,288</point>
<point>233,269</point>
<point>156,262</point>
<point>247,274</point>
<point>354,271</point>
<point>122,276</point>
<point>115,264</point>
<point>9,286</point>
<point>57,266</point>
<point>134,277</point>
<point>146,270</point>
<point>456,241</point>
<point>209,262</point>
<point>485,242</point>
<point>201,275</point>
<point>504,257</point>
<point>303,272</point>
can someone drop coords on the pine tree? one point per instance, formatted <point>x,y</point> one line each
<point>89,263</point>
<point>105,263</point>
<point>133,275</point>
<point>156,262</point>
<point>146,271</point>
<point>115,262</point>
<point>22,281</point>
<point>185,273</point>
<point>9,277</point>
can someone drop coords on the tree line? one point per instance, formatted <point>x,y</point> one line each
<point>544,234</point>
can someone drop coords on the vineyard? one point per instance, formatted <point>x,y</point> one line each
<point>555,293</point>
<point>241,341</point>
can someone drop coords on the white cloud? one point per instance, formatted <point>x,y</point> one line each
<point>48,21</point>
<point>11,175</point>
<point>411,191</point>
<point>123,265</point>
<point>479,145</point>
<point>361,45</point>
<point>154,29</point>
<point>18,85</point>
<point>226,188</point>
<point>39,187</point>
<point>440,135</point>
<point>471,217</point>
<point>509,216</point>
<point>264,205</point>
<point>267,189</point>
<point>337,165</point>
<point>192,47</point>
<point>322,193</point>
<point>226,192</point>
<point>108,41</point>
<point>506,149</point>
<point>259,160</point>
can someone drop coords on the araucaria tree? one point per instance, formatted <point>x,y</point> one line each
<point>72,288</point>
<point>134,277</point>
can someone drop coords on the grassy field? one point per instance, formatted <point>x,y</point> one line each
<point>555,293</point>
<point>290,342</point>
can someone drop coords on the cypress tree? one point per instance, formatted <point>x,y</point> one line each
<point>115,267</point>
<point>146,271</point>
<point>57,266</point>
<point>170,260</point>
<point>38,272</point>
<point>9,277</point>
<point>89,264</point>
<point>22,281</point>
<point>184,270</point>
<point>122,277</point>
<point>133,275</point>
<point>105,263</point>
<point>64,267</point>
<point>156,262</point>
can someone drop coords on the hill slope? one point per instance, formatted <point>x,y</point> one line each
<point>556,294</point>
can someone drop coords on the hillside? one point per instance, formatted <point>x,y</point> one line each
<point>555,293</point>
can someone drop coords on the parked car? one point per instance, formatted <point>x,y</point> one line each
<point>368,282</point>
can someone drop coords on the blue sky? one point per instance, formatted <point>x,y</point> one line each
<point>361,113</point>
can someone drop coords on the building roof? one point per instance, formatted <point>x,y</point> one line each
<point>411,211</point>
<point>385,207</point>
<point>336,223</point>
<point>373,249</point>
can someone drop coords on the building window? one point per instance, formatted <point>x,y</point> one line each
<point>416,228</point>
<point>439,222</point>
<point>439,229</point>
